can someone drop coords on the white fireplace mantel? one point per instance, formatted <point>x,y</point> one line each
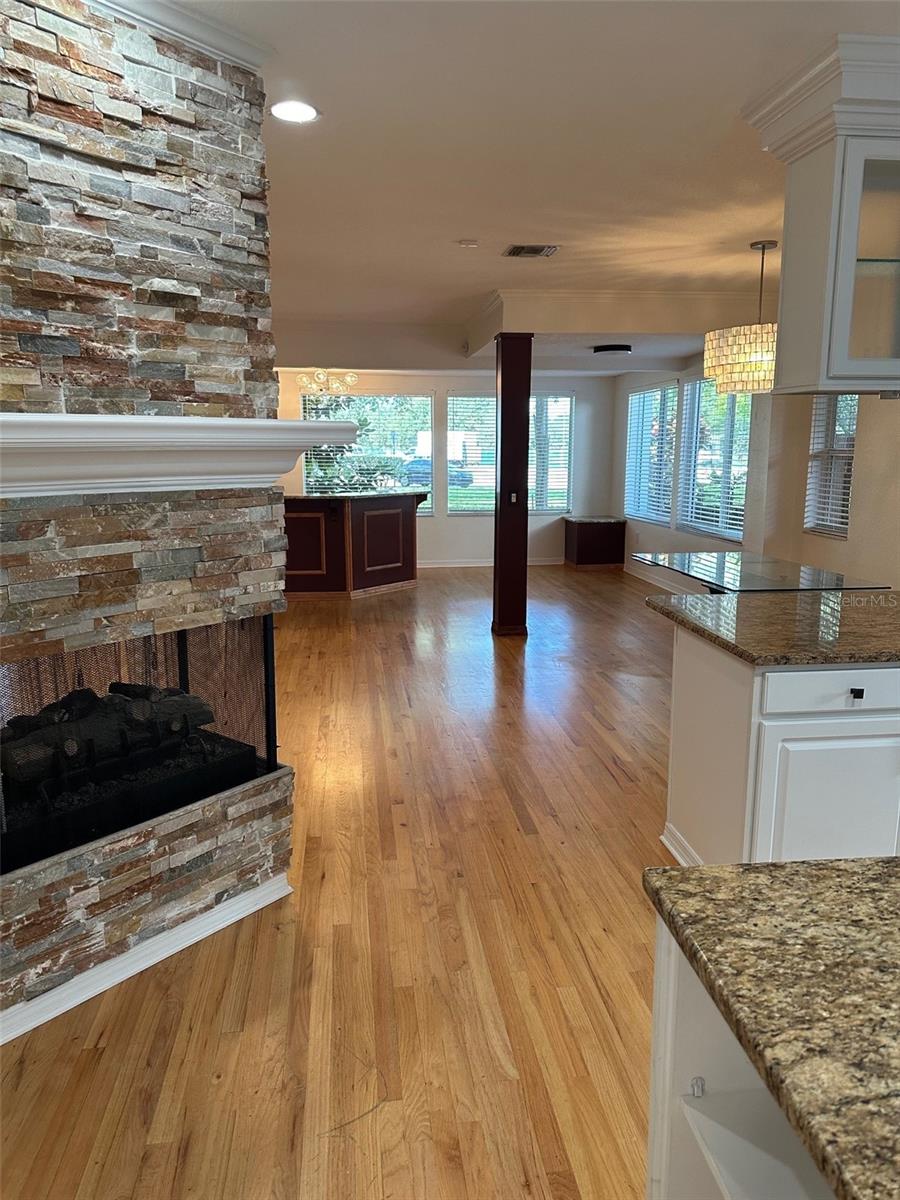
<point>51,454</point>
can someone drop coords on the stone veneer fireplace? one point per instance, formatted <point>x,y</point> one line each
<point>143,540</point>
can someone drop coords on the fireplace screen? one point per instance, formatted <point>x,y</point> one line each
<point>101,739</point>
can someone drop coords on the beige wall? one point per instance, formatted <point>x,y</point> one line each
<point>445,540</point>
<point>872,548</point>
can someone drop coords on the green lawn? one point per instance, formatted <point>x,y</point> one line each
<point>481,499</point>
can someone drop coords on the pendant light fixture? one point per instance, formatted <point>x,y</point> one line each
<point>318,382</point>
<point>742,358</point>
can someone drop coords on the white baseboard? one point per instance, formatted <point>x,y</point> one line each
<point>683,851</point>
<point>28,1014</point>
<point>648,574</point>
<point>486,562</point>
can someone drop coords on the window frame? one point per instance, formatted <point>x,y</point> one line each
<point>429,395</point>
<point>662,387</point>
<point>459,394</point>
<point>685,442</point>
<point>827,454</point>
<point>687,437</point>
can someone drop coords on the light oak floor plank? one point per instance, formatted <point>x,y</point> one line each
<point>454,1004</point>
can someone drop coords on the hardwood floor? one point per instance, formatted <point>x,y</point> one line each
<point>454,1004</point>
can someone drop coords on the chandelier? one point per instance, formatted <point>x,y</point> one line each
<point>742,358</point>
<point>319,382</point>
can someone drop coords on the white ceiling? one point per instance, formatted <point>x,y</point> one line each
<point>564,353</point>
<point>610,128</point>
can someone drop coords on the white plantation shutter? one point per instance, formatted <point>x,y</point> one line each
<point>715,445</point>
<point>830,475</point>
<point>650,453</point>
<point>472,453</point>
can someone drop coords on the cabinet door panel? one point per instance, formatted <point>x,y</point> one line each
<point>827,789</point>
<point>865,323</point>
<point>384,541</point>
<point>316,554</point>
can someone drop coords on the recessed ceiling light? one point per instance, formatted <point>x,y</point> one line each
<point>468,243</point>
<point>295,111</point>
<point>613,348</point>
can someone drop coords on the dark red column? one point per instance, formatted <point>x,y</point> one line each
<point>511,505</point>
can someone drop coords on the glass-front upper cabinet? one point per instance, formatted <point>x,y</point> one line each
<point>834,121</point>
<point>865,318</point>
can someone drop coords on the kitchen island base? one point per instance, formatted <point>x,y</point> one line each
<point>350,545</point>
<point>715,1130</point>
<point>782,708</point>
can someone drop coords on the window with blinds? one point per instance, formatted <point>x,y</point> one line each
<point>550,454</point>
<point>830,473</point>
<point>392,450</point>
<point>472,454</point>
<point>650,453</point>
<point>715,447</point>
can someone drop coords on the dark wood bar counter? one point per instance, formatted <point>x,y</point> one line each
<point>351,544</point>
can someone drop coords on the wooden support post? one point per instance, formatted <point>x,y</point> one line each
<point>511,504</point>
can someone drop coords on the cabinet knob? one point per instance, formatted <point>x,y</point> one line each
<point>857,693</point>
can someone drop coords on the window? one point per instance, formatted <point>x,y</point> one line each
<point>650,453</point>
<point>830,473</point>
<point>550,453</point>
<point>715,445</point>
<point>472,454</point>
<point>392,450</point>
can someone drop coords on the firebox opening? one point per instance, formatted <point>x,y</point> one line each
<point>101,739</point>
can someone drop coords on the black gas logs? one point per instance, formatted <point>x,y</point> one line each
<point>84,729</point>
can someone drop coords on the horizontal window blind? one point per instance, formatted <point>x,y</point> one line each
<point>830,474</point>
<point>650,453</point>
<point>550,454</point>
<point>392,450</point>
<point>715,448</point>
<point>472,453</point>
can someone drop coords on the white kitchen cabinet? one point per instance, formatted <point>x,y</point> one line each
<point>827,788</point>
<point>715,1131</point>
<point>836,124</point>
<point>865,318</point>
<point>780,762</point>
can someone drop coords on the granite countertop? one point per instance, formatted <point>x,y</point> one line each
<point>594,520</point>
<point>801,958</point>
<point>374,494</point>
<point>793,628</point>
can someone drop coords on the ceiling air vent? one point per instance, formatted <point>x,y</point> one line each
<point>529,251</point>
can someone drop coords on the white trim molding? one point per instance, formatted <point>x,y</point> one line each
<point>189,26</point>
<point>654,575</point>
<point>53,454</point>
<point>679,847</point>
<point>28,1014</point>
<point>851,88</point>
<point>480,562</point>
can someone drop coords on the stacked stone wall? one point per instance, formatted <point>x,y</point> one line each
<point>79,909</point>
<point>134,222</point>
<point>81,570</point>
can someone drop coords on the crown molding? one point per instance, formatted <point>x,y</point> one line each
<point>617,293</point>
<point>188,25</point>
<point>851,88</point>
<point>52,454</point>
